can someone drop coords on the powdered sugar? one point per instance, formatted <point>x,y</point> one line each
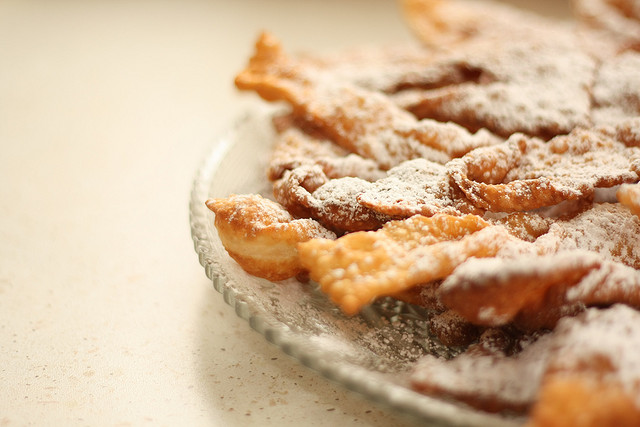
<point>616,91</point>
<point>607,229</point>
<point>612,334</point>
<point>511,98</point>
<point>296,148</point>
<point>526,173</point>
<point>507,383</point>
<point>415,187</point>
<point>514,382</point>
<point>618,20</point>
<point>605,283</point>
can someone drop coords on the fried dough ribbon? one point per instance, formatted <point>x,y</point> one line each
<point>294,149</point>
<point>261,236</point>
<point>524,173</point>
<point>618,20</point>
<point>362,121</point>
<point>591,259</point>
<point>505,54</point>
<point>629,195</point>
<point>359,267</point>
<point>588,359</point>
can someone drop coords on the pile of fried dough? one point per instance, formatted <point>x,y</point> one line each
<point>490,174</point>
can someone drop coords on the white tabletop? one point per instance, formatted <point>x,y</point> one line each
<point>106,111</point>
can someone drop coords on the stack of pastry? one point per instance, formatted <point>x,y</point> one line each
<point>490,175</point>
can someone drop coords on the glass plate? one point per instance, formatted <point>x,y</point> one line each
<point>371,353</point>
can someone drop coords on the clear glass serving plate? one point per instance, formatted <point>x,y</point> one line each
<point>372,353</point>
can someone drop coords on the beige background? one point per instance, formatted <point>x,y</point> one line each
<point>106,111</point>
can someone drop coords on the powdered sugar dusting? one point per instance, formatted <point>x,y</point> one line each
<point>295,148</point>
<point>511,100</point>
<point>527,173</point>
<point>618,20</point>
<point>340,195</point>
<point>415,187</point>
<point>511,383</point>
<point>612,334</point>
<point>514,382</point>
<point>605,283</point>
<point>607,229</point>
<point>616,92</point>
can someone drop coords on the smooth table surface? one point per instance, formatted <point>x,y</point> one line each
<point>106,111</point>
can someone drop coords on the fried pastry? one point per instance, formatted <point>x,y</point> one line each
<point>527,226</point>
<point>618,20</point>
<point>586,354</point>
<point>493,46</point>
<point>422,295</point>
<point>606,228</point>
<point>362,121</point>
<point>491,382</point>
<point>526,173</point>
<point>451,23</point>
<point>359,267</point>
<point>616,92</point>
<point>295,148</point>
<point>307,192</point>
<point>629,195</point>
<point>494,292</point>
<point>452,329</point>
<point>592,363</point>
<point>416,187</point>
<point>261,236</point>
<point>591,259</point>
<point>390,69</point>
<point>609,284</point>
<point>564,399</point>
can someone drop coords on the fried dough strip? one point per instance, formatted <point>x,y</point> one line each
<point>423,295</point>
<point>629,195</point>
<point>606,228</point>
<point>563,399</point>
<point>506,97</point>
<point>490,383</point>
<point>611,283</point>
<point>452,329</point>
<point>405,67</point>
<point>525,174</point>
<point>364,122</point>
<point>504,54</point>
<point>591,259</point>
<point>619,19</point>
<point>616,94</point>
<point>493,292</point>
<point>261,236</point>
<point>295,148</point>
<point>535,293</point>
<point>592,364</point>
<point>583,356</point>
<point>359,267</point>
<point>450,23</point>
<point>307,192</point>
<point>527,226</point>
<point>420,187</point>
<point>416,187</point>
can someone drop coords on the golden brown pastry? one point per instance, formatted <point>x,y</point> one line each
<point>261,236</point>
